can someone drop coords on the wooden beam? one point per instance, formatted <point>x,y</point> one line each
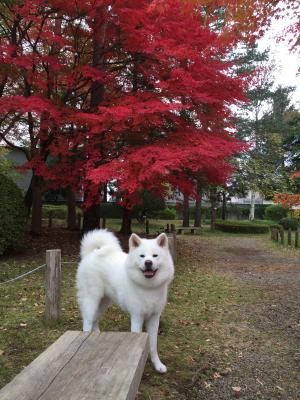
<point>81,365</point>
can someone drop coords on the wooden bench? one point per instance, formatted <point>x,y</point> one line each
<point>81,365</point>
<point>191,229</point>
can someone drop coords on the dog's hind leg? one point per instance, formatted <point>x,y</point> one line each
<point>152,325</point>
<point>89,305</point>
<point>104,303</point>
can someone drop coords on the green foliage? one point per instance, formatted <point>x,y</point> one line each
<point>13,216</point>
<point>111,210</point>
<point>275,212</point>
<point>167,213</point>
<point>241,227</point>
<point>149,205</point>
<point>264,167</point>
<point>59,212</point>
<point>5,164</point>
<point>289,222</point>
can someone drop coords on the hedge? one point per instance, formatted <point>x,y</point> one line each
<point>242,227</point>
<point>13,216</point>
<point>167,213</point>
<point>289,222</point>
<point>275,212</point>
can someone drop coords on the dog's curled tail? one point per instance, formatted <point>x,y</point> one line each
<point>100,240</point>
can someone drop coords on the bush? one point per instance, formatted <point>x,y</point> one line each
<point>275,212</point>
<point>167,213</point>
<point>111,210</point>
<point>289,222</point>
<point>59,212</point>
<point>241,227</point>
<point>13,216</point>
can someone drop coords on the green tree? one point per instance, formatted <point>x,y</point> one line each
<point>262,169</point>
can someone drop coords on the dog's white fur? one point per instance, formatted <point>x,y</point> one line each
<point>107,274</point>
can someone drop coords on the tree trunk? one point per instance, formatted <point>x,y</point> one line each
<point>104,197</point>
<point>186,211</point>
<point>213,209</point>
<point>198,214</point>
<point>72,222</point>
<point>91,218</point>
<point>252,206</point>
<point>126,222</point>
<point>36,209</point>
<point>28,197</point>
<point>223,205</point>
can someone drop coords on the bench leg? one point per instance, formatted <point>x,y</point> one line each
<point>152,325</point>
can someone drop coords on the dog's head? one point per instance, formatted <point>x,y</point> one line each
<point>150,259</point>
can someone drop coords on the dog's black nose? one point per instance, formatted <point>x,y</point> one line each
<point>148,264</point>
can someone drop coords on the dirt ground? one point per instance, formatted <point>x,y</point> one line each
<point>262,332</point>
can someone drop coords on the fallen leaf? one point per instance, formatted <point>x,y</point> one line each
<point>1,352</point>
<point>236,391</point>
<point>226,371</point>
<point>217,375</point>
<point>207,385</point>
<point>22,324</point>
<point>279,388</point>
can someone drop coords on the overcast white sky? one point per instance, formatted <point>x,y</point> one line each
<point>288,62</point>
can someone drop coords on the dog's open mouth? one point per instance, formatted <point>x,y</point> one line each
<point>149,273</point>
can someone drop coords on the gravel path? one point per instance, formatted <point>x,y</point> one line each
<point>262,332</point>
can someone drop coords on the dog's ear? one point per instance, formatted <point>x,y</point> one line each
<point>134,241</point>
<point>162,240</point>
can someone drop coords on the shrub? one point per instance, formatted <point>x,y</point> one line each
<point>13,216</point>
<point>289,222</point>
<point>111,210</point>
<point>59,212</point>
<point>167,213</point>
<point>241,227</point>
<point>275,212</point>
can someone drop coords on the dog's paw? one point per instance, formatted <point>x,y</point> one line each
<point>160,367</point>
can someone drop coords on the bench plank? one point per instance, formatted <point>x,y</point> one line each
<point>79,365</point>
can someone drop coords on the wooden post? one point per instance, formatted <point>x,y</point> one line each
<point>289,237</point>
<point>281,232</point>
<point>53,272</point>
<point>297,238</point>
<point>103,222</point>
<point>173,229</point>
<point>168,228</point>
<point>147,226</point>
<point>172,245</point>
<point>276,233</point>
<point>50,219</point>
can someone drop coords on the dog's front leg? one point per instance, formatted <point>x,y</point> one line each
<point>137,323</point>
<point>152,325</point>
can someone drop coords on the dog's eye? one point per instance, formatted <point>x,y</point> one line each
<point>142,255</point>
<point>155,255</point>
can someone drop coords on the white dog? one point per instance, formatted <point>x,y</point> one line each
<point>138,282</point>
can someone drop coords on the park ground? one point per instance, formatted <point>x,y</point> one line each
<point>231,328</point>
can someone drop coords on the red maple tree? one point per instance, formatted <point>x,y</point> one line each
<point>135,92</point>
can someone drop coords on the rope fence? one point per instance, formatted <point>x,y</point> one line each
<point>31,272</point>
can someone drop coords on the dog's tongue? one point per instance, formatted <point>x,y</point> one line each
<point>149,274</point>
